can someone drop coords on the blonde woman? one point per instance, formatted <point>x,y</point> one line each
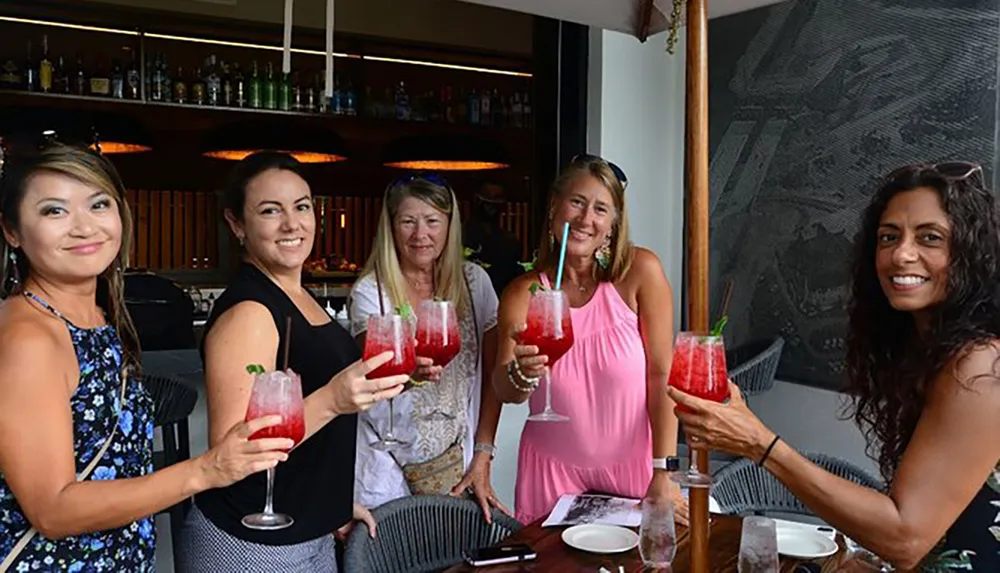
<point>611,383</point>
<point>450,422</point>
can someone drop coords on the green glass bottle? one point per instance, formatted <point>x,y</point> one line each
<point>254,87</point>
<point>285,93</point>
<point>270,89</point>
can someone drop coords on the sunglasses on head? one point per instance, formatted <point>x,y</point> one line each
<point>430,177</point>
<point>587,158</point>
<point>958,170</point>
<point>953,171</point>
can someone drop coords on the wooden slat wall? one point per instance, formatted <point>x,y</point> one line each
<point>174,229</point>
<point>180,229</point>
<point>345,226</point>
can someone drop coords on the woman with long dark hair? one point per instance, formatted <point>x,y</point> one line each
<point>77,486</point>
<point>922,357</point>
<point>266,316</point>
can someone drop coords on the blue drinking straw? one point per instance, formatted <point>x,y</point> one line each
<point>562,255</point>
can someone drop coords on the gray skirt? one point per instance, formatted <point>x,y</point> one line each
<point>204,548</point>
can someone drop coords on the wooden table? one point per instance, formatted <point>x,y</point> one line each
<point>556,556</point>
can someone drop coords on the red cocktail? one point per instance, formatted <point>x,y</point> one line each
<point>549,327</point>
<point>437,332</point>
<point>275,394</point>
<point>390,333</point>
<point>699,369</point>
<point>551,342</point>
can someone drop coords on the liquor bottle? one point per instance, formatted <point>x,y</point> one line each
<point>133,90</point>
<point>60,77</point>
<point>285,93</point>
<point>270,88</point>
<point>485,108</point>
<point>402,103</point>
<point>155,92</point>
<point>45,67</point>
<point>30,72</point>
<point>213,82</point>
<point>117,80</point>
<point>255,89</point>
<point>80,83</point>
<point>100,82</point>
<point>228,94</point>
<point>298,102</point>
<point>198,95</point>
<point>180,88</point>
<point>167,81</point>
<point>517,112</point>
<point>10,75</point>
<point>239,87</point>
<point>475,109</point>
<point>350,99</point>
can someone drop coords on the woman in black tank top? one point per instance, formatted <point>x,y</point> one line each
<point>269,208</point>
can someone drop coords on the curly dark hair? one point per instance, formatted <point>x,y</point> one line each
<point>889,365</point>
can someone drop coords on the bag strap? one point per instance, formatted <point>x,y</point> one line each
<point>30,534</point>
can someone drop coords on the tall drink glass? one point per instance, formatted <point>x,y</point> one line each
<point>438,338</point>
<point>391,333</point>
<point>275,393</point>
<point>699,369</point>
<point>550,329</point>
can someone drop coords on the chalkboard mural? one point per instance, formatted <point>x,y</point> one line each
<point>811,101</point>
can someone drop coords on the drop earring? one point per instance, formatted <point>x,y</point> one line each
<point>603,254</point>
<point>15,275</point>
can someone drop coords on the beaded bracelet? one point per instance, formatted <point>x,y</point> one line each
<point>530,383</point>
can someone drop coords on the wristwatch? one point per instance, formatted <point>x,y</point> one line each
<point>670,464</point>
<point>485,447</point>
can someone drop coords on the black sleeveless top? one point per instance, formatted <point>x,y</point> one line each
<point>316,485</point>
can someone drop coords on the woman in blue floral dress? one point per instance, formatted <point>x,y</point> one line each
<point>923,361</point>
<point>66,407</point>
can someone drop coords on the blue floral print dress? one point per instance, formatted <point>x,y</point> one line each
<point>95,405</point>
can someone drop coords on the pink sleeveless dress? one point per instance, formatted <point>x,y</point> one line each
<point>601,385</point>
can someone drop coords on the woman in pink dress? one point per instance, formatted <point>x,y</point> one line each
<point>612,382</point>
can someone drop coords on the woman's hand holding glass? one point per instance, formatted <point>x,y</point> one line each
<point>352,392</point>
<point>528,361</point>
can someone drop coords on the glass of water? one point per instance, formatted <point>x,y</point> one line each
<point>758,546</point>
<point>657,536</point>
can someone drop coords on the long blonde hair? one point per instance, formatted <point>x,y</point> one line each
<point>622,251</point>
<point>449,278</point>
<point>97,172</point>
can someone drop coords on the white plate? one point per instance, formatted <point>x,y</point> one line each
<point>804,543</point>
<point>600,538</point>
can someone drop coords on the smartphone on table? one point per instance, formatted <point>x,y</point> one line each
<point>487,556</point>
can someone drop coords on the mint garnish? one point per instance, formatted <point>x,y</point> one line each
<point>717,329</point>
<point>404,310</point>
<point>529,265</point>
<point>535,287</point>
<point>255,369</point>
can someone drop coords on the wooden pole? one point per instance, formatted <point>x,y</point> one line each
<point>696,159</point>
